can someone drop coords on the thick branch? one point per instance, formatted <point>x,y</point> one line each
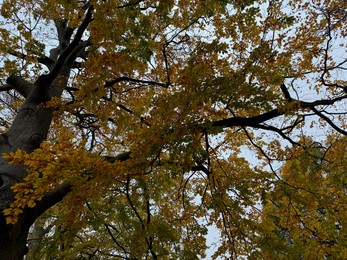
<point>248,121</point>
<point>256,120</point>
<point>21,85</point>
<point>286,92</point>
<point>48,62</point>
<point>46,80</point>
<point>64,33</point>
<point>55,196</point>
<point>49,200</point>
<point>79,51</point>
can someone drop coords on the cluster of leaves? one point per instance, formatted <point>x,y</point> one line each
<point>48,167</point>
<point>305,210</point>
<point>157,111</point>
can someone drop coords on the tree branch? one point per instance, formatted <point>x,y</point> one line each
<point>48,62</point>
<point>248,121</point>
<point>286,92</point>
<point>47,79</point>
<point>127,79</point>
<point>278,131</point>
<point>56,195</point>
<point>21,85</point>
<point>331,123</point>
<point>256,120</point>
<point>49,200</point>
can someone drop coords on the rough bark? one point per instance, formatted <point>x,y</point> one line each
<point>13,239</point>
<point>29,128</point>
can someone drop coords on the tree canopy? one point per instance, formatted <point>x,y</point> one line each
<point>132,128</point>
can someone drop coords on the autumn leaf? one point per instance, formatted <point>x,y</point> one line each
<point>134,129</point>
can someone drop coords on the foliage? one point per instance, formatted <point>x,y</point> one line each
<point>305,210</point>
<point>163,99</point>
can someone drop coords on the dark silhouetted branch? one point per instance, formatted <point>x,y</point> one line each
<point>47,79</point>
<point>127,79</point>
<point>328,120</point>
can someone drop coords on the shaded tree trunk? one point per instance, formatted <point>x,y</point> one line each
<point>29,128</point>
<point>13,239</point>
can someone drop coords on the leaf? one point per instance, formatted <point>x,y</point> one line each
<point>136,127</point>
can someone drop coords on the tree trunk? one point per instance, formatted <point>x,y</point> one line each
<point>13,239</point>
<point>29,128</point>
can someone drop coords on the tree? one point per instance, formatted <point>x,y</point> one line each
<point>123,124</point>
<point>306,209</point>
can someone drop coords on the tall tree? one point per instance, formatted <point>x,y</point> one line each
<point>130,117</point>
